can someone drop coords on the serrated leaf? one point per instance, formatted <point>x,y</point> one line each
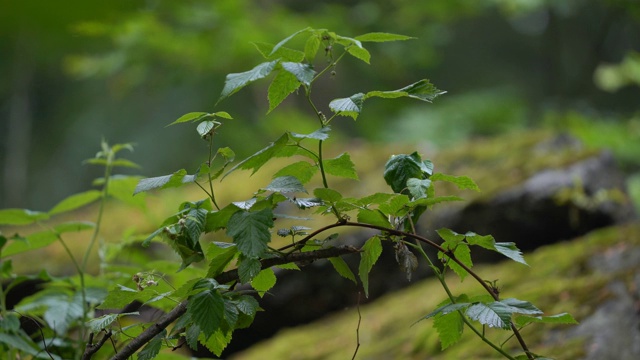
<point>360,53</point>
<point>373,217</point>
<point>495,315</point>
<point>176,179</point>
<point>21,216</point>
<point>217,342</point>
<point>370,253</point>
<point>122,187</point>
<point>303,72</point>
<point>248,268</point>
<point>434,200</point>
<point>250,231</point>
<point>257,160</point>
<point>328,195</point>
<point>342,268</point>
<point>264,281</point>
<point>119,297</point>
<point>521,307</point>
<point>205,127</point>
<point>311,47</point>
<point>282,53</point>
<point>247,305</point>
<point>462,182</point>
<point>217,220</point>
<point>302,170</point>
<point>341,166</point>
<point>220,255</point>
<point>285,184</point>
<point>236,81</point>
<point>510,250</point>
<point>98,324</point>
<point>192,116</point>
<point>451,238</point>
<point>418,187</point>
<point>394,205</point>
<point>400,168</point>
<point>306,203</point>
<point>422,90</point>
<point>382,37</point>
<point>283,85</point>
<point>75,201</point>
<point>151,350</point>
<point>462,253</point>
<point>320,134</point>
<point>563,318</point>
<point>484,241</point>
<point>285,40</point>
<point>446,309</point>
<point>206,309</point>
<point>351,106</point>
<point>450,328</point>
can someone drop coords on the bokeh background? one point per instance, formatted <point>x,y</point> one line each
<point>75,72</point>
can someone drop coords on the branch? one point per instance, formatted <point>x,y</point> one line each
<point>91,348</point>
<point>225,277</point>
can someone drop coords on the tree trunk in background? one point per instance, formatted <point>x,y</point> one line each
<point>17,139</point>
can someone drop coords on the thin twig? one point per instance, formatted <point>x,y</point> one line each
<point>357,330</point>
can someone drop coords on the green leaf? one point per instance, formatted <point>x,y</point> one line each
<point>422,90</point>
<point>206,309</point>
<point>31,242</point>
<point>248,268</point>
<point>373,217</point>
<point>285,184</point>
<point>510,250</point>
<point>257,160</point>
<point>24,344</point>
<point>220,255</point>
<point>21,216</point>
<point>303,72</point>
<point>122,187</point>
<point>342,268</point>
<point>284,41</point>
<point>236,81</point>
<point>98,324</point>
<point>461,253</point>
<point>485,241</point>
<point>302,170</point>
<point>351,106</point>
<point>451,238</point>
<point>563,318</point>
<point>217,342</point>
<point>370,253</point>
<point>250,231</point>
<point>320,134</point>
<point>283,85</point>
<point>247,305</point>
<point>450,327</point>
<point>521,307</point>
<point>282,53</point>
<point>400,168</point>
<point>495,315</point>
<point>222,114</point>
<point>75,201</point>
<point>192,116</point>
<point>394,205</point>
<point>434,200</point>
<point>382,37</point>
<point>306,203</point>
<point>151,350</point>
<point>119,297</point>
<point>462,182</point>
<point>217,220</point>
<point>176,179</point>
<point>359,53</point>
<point>311,47</point>
<point>341,166</point>
<point>418,187</point>
<point>328,195</point>
<point>205,127</point>
<point>264,281</point>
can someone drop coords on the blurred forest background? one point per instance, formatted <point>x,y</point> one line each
<point>74,72</point>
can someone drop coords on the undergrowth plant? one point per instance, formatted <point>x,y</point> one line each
<point>216,285</point>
